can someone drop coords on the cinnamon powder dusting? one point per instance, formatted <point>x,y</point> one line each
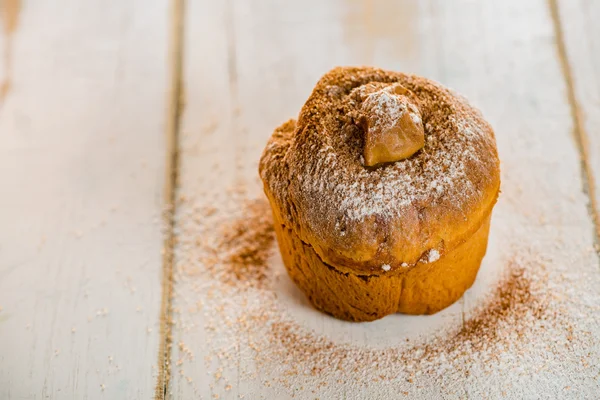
<point>248,243</point>
<point>511,299</point>
<point>315,165</point>
<point>512,309</point>
<point>243,318</point>
<point>238,255</point>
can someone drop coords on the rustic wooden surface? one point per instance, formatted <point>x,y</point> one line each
<point>279,51</point>
<point>87,94</point>
<point>579,47</point>
<point>82,159</point>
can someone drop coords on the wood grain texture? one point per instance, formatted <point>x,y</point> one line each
<point>579,49</point>
<point>250,65</point>
<point>82,167</point>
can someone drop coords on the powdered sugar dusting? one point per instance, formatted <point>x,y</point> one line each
<point>248,326</point>
<point>317,171</point>
<point>433,255</point>
<point>414,114</point>
<point>386,267</point>
<point>387,109</point>
<point>439,172</point>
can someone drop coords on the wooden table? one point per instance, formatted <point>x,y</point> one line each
<point>119,118</point>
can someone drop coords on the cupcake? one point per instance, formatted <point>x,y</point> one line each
<point>382,192</point>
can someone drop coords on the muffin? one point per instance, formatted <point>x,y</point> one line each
<point>382,192</point>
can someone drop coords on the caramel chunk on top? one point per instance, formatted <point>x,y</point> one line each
<point>392,124</point>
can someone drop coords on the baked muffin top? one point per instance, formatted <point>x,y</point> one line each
<point>358,218</point>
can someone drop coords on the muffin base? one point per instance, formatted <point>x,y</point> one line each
<point>423,289</point>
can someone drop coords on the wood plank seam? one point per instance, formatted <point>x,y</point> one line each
<point>175,105</point>
<point>579,132</point>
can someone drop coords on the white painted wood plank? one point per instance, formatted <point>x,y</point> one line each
<point>82,172</point>
<point>578,23</point>
<point>250,65</point>
<point>513,74</point>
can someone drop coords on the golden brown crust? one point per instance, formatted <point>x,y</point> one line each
<point>425,289</point>
<point>360,219</point>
